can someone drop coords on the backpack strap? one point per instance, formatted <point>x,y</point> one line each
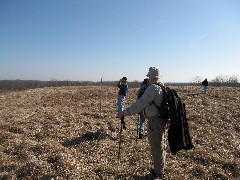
<point>156,105</point>
<point>164,92</point>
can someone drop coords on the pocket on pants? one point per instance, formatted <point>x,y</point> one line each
<point>157,124</point>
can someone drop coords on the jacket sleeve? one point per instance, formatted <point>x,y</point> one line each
<point>148,96</point>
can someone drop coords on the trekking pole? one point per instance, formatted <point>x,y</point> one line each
<point>122,126</point>
<point>101,98</point>
<point>138,122</point>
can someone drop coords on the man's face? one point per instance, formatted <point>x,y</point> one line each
<point>124,81</point>
<point>151,80</point>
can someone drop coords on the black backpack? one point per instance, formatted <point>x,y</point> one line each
<point>174,110</point>
<point>167,109</point>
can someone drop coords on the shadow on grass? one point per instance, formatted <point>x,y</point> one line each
<point>88,136</point>
<point>102,174</point>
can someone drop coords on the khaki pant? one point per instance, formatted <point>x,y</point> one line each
<point>156,138</point>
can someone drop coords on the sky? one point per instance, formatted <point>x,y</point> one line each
<point>88,39</point>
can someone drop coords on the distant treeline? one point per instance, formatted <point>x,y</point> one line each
<point>32,84</point>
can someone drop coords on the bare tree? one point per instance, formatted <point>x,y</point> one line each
<point>197,80</point>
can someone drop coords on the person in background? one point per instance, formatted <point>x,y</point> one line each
<point>156,125</point>
<point>205,86</point>
<point>141,91</point>
<point>123,91</point>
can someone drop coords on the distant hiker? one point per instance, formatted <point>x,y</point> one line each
<point>141,91</point>
<point>123,90</point>
<point>205,85</point>
<point>156,125</point>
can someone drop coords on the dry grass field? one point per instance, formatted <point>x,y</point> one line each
<point>58,133</point>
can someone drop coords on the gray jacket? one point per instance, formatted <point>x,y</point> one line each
<point>152,93</point>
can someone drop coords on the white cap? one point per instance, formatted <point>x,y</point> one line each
<point>153,72</point>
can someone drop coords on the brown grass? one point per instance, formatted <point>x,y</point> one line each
<point>57,133</point>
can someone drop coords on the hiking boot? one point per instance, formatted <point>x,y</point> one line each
<point>154,176</point>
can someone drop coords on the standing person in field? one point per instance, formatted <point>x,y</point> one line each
<point>141,91</point>
<point>123,91</point>
<point>156,125</point>
<point>205,85</point>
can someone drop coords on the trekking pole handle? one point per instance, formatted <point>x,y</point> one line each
<point>123,122</point>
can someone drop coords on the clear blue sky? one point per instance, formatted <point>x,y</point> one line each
<point>85,39</point>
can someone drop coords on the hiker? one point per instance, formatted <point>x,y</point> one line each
<point>205,85</point>
<point>141,91</point>
<point>156,125</point>
<point>123,90</point>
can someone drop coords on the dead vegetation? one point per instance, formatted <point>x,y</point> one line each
<point>58,133</point>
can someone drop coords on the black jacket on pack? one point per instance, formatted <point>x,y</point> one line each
<point>173,108</point>
<point>178,132</point>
